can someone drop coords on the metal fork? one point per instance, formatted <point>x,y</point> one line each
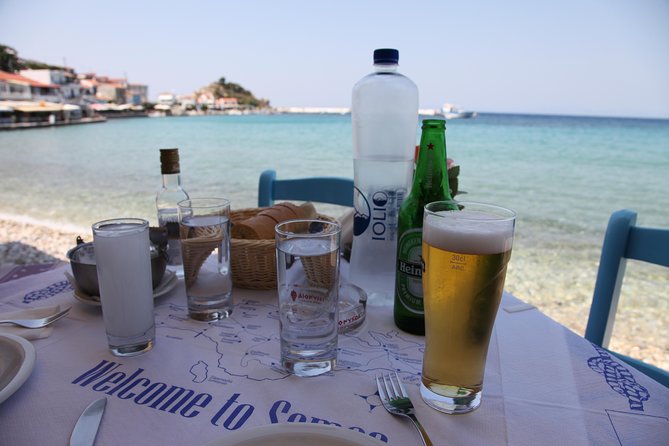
<point>396,401</point>
<point>37,323</point>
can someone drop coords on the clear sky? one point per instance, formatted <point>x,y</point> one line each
<point>581,57</point>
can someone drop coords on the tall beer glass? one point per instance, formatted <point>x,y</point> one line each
<point>466,248</point>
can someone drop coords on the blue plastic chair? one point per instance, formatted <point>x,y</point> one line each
<point>333,190</point>
<point>623,240</point>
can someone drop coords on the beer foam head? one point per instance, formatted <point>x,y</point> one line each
<point>468,232</point>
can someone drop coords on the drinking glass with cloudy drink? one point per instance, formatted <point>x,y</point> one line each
<point>465,255</point>
<point>204,230</point>
<point>308,286</point>
<point>123,259</point>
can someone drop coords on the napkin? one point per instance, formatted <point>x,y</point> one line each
<point>33,313</point>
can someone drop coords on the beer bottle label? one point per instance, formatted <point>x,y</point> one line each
<point>409,285</point>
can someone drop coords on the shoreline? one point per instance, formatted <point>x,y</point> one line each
<point>25,220</point>
<point>24,240</point>
<point>45,124</point>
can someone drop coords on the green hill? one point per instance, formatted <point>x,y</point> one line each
<point>224,89</point>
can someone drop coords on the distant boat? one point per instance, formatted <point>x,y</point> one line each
<point>428,112</point>
<point>450,111</point>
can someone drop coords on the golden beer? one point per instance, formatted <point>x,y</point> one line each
<point>465,254</point>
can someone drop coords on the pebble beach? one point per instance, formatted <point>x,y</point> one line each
<point>638,330</point>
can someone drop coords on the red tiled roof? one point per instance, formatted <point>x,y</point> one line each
<point>4,76</point>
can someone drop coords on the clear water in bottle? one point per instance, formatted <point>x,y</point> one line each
<point>169,218</point>
<point>385,120</point>
<point>167,198</point>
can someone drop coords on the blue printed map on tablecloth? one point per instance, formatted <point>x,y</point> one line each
<point>246,345</point>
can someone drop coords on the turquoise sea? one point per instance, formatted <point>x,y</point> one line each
<point>563,175</point>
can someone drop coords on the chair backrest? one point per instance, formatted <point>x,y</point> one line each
<point>623,240</point>
<point>333,190</point>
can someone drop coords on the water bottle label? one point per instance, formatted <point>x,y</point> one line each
<point>409,285</point>
<point>377,213</point>
<point>362,213</point>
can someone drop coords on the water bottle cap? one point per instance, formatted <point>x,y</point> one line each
<point>386,56</point>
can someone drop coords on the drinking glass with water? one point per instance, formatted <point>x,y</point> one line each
<point>204,230</point>
<point>308,288</point>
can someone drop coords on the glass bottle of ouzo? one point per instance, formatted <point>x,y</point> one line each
<point>384,112</point>
<point>167,198</point>
<point>430,183</point>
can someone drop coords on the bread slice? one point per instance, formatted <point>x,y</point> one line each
<point>259,227</point>
<point>279,213</point>
<point>308,210</point>
<point>295,210</point>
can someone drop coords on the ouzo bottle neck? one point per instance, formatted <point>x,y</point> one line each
<point>171,181</point>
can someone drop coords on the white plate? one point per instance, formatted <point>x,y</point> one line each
<point>17,359</point>
<point>165,286</point>
<point>302,434</point>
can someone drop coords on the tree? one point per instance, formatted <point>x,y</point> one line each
<point>9,59</point>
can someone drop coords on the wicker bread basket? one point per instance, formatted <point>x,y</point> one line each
<point>254,261</point>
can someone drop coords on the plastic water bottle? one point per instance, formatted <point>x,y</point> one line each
<point>385,119</point>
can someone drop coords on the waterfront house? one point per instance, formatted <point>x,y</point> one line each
<point>109,91</point>
<point>187,102</point>
<point>89,88</point>
<point>18,87</point>
<point>206,98</point>
<point>137,94</point>
<point>227,103</point>
<point>65,79</point>
<point>14,87</point>
<point>168,99</point>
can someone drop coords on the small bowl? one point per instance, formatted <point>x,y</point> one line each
<point>85,272</point>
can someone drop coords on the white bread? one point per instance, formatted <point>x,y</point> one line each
<point>261,226</point>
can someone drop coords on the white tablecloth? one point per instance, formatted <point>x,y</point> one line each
<point>543,384</point>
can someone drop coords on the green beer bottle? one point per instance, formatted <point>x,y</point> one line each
<point>430,183</point>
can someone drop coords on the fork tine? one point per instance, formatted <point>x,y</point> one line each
<point>390,388</point>
<point>60,314</point>
<point>396,401</point>
<point>396,393</point>
<point>379,386</point>
<point>403,392</point>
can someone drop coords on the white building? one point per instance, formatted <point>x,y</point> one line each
<point>15,87</point>
<point>227,103</point>
<point>206,98</point>
<point>70,88</point>
<point>187,101</point>
<point>167,99</point>
<point>137,94</point>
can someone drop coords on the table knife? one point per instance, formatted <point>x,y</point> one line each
<point>87,425</point>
